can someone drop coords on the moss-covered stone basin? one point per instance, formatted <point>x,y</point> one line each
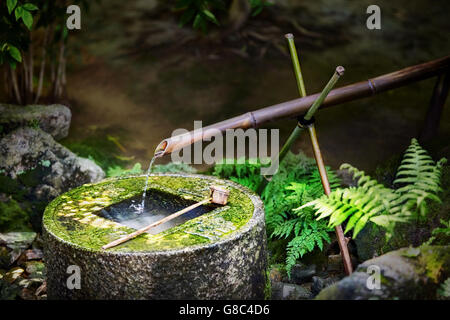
<point>220,254</point>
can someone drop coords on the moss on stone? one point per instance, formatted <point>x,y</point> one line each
<point>434,260</point>
<point>73,216</point>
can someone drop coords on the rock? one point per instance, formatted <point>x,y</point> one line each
<point>335,263</point>
<point>41,290</point>
<point>34,254</point>
<point>319,283</point>
<point>289,291</point>
<point>371,241</point>
<point>4,257</point>
<point>404,274</point>
<point>277,273</point>
<point>346,177</point>
<point>53,119</point>
<point>35,270</point>
<point>45,168</point>
<point>8,291</point>
<point>27,294</point>
<point>15,255</point>
<point>17,240</point>
<point>13,274</point>
<point>301,273</point>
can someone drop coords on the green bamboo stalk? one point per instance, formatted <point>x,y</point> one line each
<point>301,90</point>
<point>296,65</point>
<point>331,83</point>
<point>295,134</point>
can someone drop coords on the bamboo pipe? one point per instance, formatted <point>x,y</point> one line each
<point>300,106</point>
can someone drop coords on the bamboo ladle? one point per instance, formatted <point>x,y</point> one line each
<point>218,195</point>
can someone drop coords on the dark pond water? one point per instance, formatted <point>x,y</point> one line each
<point>158,205</point>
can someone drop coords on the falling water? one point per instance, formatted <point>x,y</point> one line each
<point>140,207</point>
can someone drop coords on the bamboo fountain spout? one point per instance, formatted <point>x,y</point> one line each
<point>297,107</point>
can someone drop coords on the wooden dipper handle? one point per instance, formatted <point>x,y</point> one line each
<point>154,224</point>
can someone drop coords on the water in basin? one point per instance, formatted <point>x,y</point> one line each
<point>158,205</point>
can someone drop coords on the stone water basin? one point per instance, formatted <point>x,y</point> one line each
<point>213,252</point>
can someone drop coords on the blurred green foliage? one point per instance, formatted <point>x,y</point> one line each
<point>203,13</point>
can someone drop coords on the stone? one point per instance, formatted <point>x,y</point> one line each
<point>289,291</point>
<point>408,274</point>
<point>13,274</point>
<point>49,168</point>
<point>218,255</point>
<point>277,273</point>
<point>371,242</point>
<point>301,273</point>
<point>335,263</point>
<point>35,270</point>
<point>4,258</point>
<point>17,240</point>
<point>319,283</point>
<point>53,119</point>
<point>34,254</point>
<point>27,294</point>
<point>9,291</point>
<point>346,178</point>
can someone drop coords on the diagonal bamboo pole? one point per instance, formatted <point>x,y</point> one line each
<point>307,122</point>
<point>327,190</point>
<point>314,141</point>
<point>295,134</point>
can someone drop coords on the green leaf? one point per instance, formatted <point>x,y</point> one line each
<point>27,19</point>
<point>15,53</point>
<point>18,13</point>
<point>30,7</point>
<point>11,4</point>
<point>210,16</point>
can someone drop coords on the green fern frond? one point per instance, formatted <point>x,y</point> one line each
<point>444,290</point>
<point>371,201</point>
<point>313,234</point>
<point>418,178</point>
<point>358,204</point>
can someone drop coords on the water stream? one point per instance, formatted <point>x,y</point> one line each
<point>141,207</point>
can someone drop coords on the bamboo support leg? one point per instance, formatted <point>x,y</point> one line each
<point>326,187</point>
<point>434,113</point>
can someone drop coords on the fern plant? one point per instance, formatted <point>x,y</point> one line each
<point>440,234</point>
<point>246,172</point>
<point>444,289</point>
<point>418,178</point>
<point>296,182</point>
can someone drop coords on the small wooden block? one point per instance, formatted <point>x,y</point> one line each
<point>219,195</point>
